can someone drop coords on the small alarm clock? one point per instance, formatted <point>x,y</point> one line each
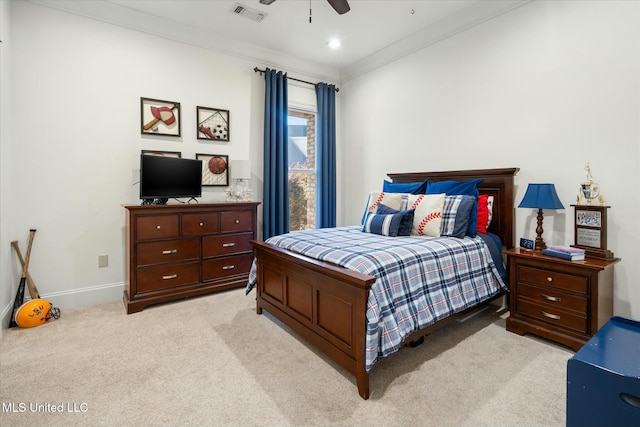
<point>526,244</point>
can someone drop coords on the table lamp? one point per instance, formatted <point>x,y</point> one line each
<point>541,196</point>
<point>240,171</point>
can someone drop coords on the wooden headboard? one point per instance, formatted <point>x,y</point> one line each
<point>497,183</point>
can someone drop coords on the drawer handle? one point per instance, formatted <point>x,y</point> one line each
<point>229,267</point>
<point>228,245</point>
<point>172,276</point>
<point>170,251</point>
<point>157,227</point>
<point>549,315</point>
<point>237,221</point>
<point>630,399</point>
<point>549,298</point>
<point>549,279</point>
<point>201,224</point>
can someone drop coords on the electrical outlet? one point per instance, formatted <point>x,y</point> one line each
<point>103,261</point>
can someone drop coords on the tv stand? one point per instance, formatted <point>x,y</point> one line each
<point>178,251</point>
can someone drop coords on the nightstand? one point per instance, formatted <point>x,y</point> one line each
<point>564,301</point>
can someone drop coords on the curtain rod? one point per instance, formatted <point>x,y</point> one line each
<point>258,70</point>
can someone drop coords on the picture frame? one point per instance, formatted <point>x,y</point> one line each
<point>215,170</point>
<point>162,153</point>
<point>212,124</point>
<point>590,231</point>
<point>159,117</point>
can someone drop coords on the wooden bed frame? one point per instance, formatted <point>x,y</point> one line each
<point>326,304</point>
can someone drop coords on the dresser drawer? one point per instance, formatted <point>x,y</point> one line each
<point>218,268</point>
<point>553,297</point>
<point>236,221</point>
<point>227,244</point>
<point>164,277</point>
<point>200,223</point>
<point>553,316</point>
<point>553,278</point>
<point>157,227</point>
<point>167,251</point>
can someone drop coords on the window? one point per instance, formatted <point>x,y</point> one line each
<point>302,170</point>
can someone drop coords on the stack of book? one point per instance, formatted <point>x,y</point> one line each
<point>565,252</point>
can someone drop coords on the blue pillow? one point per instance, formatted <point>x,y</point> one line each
<point>455,215</point>
<point>385,225</point>
<point>465,188</point>
<point>404,187</point>
<point>406,224</point>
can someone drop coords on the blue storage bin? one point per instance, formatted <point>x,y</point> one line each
<point>603,378</point>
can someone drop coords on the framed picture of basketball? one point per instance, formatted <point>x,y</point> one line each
<point>215,169</point>
<point>158,117</point>
<point>212,124</point>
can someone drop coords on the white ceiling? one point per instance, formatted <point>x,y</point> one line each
<point>373,33</point>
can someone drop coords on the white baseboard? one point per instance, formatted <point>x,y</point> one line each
<point>75,298</point>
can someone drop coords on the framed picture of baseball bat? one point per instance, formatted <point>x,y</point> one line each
<point>215,170</point>
<point>158,117</point>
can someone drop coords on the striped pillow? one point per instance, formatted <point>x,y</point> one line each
<point>455,215</point>
<point>385,225</point>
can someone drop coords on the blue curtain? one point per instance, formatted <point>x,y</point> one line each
<point>276,165</point>
<point>326,155</point>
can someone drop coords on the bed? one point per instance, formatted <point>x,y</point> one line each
<point>328,304</point>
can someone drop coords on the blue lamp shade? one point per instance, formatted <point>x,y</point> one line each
<point>541,196</point>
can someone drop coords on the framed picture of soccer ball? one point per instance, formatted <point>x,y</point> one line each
<point>212,124</point>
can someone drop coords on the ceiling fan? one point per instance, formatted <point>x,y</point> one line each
<point>340,6</point>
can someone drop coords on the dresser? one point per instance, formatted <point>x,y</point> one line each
<point>179,251</point>
<point>564,301</point>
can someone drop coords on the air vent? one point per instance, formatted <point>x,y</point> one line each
<point>253,14</point>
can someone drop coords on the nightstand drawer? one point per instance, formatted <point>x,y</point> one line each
<point>553,278</point>
<point>553,297</point>
<point>553,316</point>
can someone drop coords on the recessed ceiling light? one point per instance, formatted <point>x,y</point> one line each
<point>334,43</point>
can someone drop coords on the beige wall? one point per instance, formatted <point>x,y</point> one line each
<point>546,87</point>
<point>74,143</point>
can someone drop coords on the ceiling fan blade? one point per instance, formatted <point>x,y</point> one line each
<point>267,2</point>
<point>341,6</point>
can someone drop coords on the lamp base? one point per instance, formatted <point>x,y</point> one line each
<point>540,244</point>
<point>240,196</point>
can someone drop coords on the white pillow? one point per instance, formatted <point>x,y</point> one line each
<point>397,201</point>
<point>427,218</point>
<point>490,209</point>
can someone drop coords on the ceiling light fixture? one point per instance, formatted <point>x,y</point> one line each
<point>334,43</point>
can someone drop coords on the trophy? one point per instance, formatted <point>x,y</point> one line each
<point>589,190</point>
<point>590,230</point>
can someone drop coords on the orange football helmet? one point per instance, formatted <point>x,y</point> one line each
<point>35,312</point>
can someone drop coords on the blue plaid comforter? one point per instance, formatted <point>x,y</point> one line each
<point>419,280</point>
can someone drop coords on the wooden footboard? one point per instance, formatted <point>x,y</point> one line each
<point>324,303</point>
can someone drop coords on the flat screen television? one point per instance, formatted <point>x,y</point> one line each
<point>163,178</point>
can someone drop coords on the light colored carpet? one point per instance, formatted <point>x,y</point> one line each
<point>213,361</point>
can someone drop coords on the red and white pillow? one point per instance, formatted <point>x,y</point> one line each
<point>397,201</point>
<point>485,213</point>
<point>427,219</point>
